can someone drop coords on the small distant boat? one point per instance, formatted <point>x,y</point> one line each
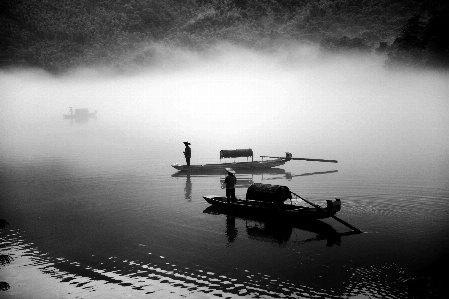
<point>250,165</point>
<point>268,202</point>
<point>82,113</point>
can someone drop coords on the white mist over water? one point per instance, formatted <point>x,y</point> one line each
<point>388,130</point>
<point>295,99</point>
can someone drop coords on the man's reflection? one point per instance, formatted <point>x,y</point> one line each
<point>231,230</point>
<point>188,188</point>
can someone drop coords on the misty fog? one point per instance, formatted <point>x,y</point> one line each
<point>293,99</point>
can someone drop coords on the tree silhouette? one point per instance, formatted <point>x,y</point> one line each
<point>422,41</point>
<point>436,39</point>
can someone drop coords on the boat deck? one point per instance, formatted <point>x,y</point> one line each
<point>284,211</point>
<point>235,165</point>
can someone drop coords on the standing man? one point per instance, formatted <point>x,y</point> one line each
<point>187,152</point>
<point>230,182</point>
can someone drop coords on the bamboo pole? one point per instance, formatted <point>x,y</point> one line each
<point>335,217</point>
<point>304,159</point>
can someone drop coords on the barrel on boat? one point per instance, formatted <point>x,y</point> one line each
<point>268,193</point>
<point>236,153</point>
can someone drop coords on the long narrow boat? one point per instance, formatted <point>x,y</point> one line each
<point>268,201</point>
<point>82,113</point>
<point>222,172</point>
<point>287,212</point>
<point>234,165</point>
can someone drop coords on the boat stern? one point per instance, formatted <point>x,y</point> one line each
<point>333,206</point>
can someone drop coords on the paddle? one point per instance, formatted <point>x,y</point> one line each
<point>335,217</point>
<point>304,159</point>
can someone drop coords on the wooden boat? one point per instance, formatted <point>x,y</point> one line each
<point>82,113</point>
<point>234,165</point>
<point>287,212</point>
<point>267,201</point>
<point>222,172</point>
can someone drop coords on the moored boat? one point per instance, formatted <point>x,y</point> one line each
<point>268,201</point>
<point>264,164</point>
<point>222,171</point>
<point>82,113</point>
<point>233,165</point>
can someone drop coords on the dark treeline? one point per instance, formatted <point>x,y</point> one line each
<point>59,34</point>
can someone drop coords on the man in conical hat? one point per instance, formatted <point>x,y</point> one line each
<point>230,182</point>
<point>187,152</point>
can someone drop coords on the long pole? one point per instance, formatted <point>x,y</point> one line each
<point>304,159</point>
<point>335,217</point>
<point>317,160</point>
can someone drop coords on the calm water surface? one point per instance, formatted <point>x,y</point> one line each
<point>124,216</point>
<point>98,207</point>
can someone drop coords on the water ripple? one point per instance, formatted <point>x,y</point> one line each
<point>161,276</point>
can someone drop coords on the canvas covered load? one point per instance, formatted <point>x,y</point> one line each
<point>268,193</point>
<point>236,153</point>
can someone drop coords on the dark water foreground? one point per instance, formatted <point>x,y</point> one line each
<point>138,227</point>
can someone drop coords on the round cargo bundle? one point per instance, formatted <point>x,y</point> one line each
<point>236,153</point>
<point>268,193</point>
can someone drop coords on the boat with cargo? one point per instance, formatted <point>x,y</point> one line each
<point>238,153</point>
<point>268,201</point>
<point>80,114</point>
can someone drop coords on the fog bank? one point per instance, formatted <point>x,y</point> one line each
<point>293,99</point>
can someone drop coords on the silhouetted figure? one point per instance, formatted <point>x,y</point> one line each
<point>187,152</point>
<point>230,182</point>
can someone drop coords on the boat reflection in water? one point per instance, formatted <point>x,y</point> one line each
<point>290,176</point>
<point>231,231</point>
<point>279,232</point>
<point>188,189</point>
<point>244,179</point>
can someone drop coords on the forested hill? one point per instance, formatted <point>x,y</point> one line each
<point>60,34</point>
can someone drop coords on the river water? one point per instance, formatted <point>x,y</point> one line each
<point>96,207</point>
